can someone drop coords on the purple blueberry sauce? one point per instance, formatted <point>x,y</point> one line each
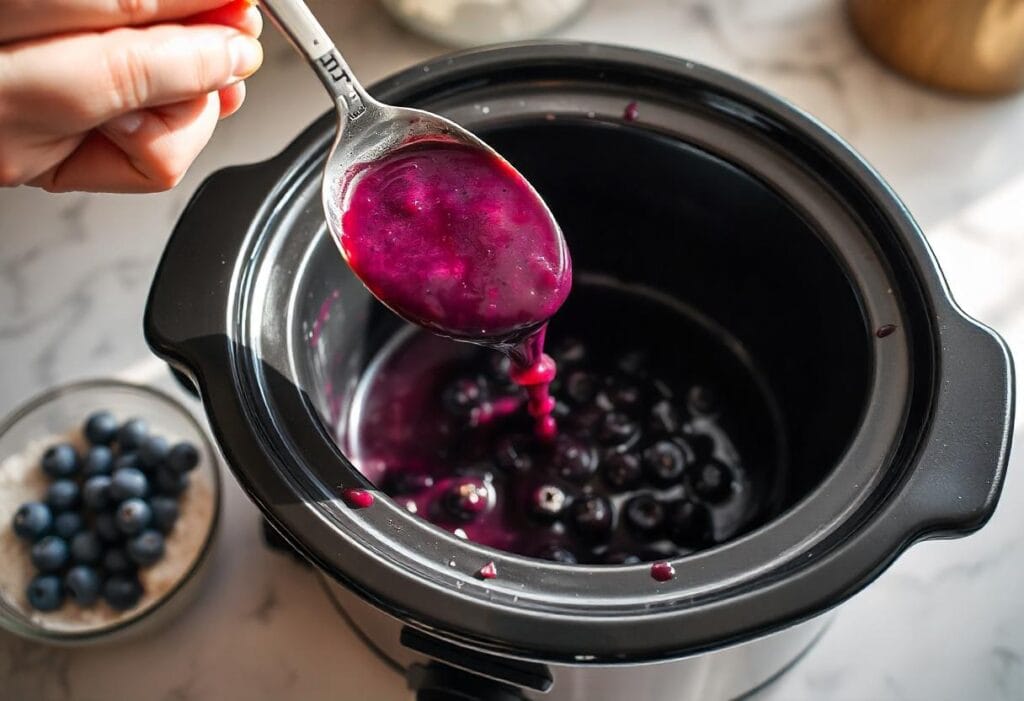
<point>452,238</point>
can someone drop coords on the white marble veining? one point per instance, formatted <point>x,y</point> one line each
<point>945,622</point>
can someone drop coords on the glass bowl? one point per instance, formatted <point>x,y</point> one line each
<point>58,415</point>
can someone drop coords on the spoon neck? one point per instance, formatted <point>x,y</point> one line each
<point>337,78</point>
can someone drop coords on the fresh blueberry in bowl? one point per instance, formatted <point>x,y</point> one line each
<point>146,548</point>
<point>62,495</point>
<point>592,517</point>
<point>153,451</point>
<point>128,458</point>
<point>132,433</point>
<point>132,516</point>
<point>165,513</point>
<point>67,524</point>
<point>100,428</point>
<point>99,460</point>
<point>122,591</point>
<point>50,554</point>
<point>96,492</point>
<point>86,548</point>
<point>60,460</point>
<point>32,520</point>
<point>170,482</point>
<point>126,483</point>
<point>82,584</point>
<point>106,528</point>
<point>116,561</point>
<point>183,457</point>
<point>45,592</point>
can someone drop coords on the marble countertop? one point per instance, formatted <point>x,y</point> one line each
<point>945,622</point>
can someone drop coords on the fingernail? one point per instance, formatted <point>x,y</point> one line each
<point>246,55</point>
<point>126,124</point>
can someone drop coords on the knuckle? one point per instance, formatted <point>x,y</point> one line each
<point>137,11</point>
<point>129,79</point>
<point>167,173</point>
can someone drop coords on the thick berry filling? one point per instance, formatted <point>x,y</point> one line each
<point>660,450</point>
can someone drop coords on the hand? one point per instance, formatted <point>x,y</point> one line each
<point>117,95</point>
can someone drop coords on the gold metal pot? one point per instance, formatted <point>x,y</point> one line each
<point>974,46</point>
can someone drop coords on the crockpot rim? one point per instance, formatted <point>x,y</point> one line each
<point>487,635</point>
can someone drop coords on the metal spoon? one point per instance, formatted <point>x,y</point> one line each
<point>367,129</point>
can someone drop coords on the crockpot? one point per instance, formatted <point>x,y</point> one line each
<point>894,406</point>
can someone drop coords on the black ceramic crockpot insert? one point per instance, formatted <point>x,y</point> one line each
<point>720,196</point>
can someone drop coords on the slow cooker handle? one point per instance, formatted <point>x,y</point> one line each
<point>439,682</point>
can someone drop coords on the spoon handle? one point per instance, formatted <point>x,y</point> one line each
<point>296,21</point>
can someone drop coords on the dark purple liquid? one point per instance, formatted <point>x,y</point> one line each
<point>440,428</point>
<point>455,240</point>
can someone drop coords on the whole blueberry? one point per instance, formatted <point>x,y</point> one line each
<point>60,460</point>
<point>62,495</point>
<point>702,401</point>
<point>574,460</point>
<point>547,502</point>
<point>617,429</point>
<point>96,492</point>
<point>634,363</point>
<point>106,527</point>
<point>126,483</point>
<point>45,592</point>
<point>621,471</point>
<point>169,482</point>
<point>132,516</point>
<point>165,512</point>
<point>467,499</point>
<point>626,396</point>
<point>712,481</point>
<point>50,554</point>
<point>116,561</point>
<point>131,434</point>
<point>153,451</point>
<point>146,548</point>
<point>592,517</point>
<point>665,461</point>
<point>556,553</point>
<point>396,483</point>
<point>86,548</point>
<point>183,457</point>
<point>67,524</point>
<point>126,459</point>
<point>82,584</point>
<point>32,520</point>
<point>644,515</point>
<point>512,453</point>
<point>656,553</point>
<point>569,350</point>
<point>689,524</point>
<point>99,460</point>
<point>581,387</point>
<point>101,428</point>
<point>664,419</point>
<point>122,591</point>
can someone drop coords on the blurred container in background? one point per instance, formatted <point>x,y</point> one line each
<point>974,46</point>
<point>474,22</point>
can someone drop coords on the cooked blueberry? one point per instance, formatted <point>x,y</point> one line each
<point>581,387</point>
<point>561,410</point>
<point>96,492</point>
<point>62,495</point>
<point>689,524</point>
<point>86,548</point>
<point>645,515</point>
<point>183,457</point>
<point>547,502</point>
<point>574,460</point>
<point>655,553</point>
<point>132,516</point>
<point>586,419</point>
<point>621,470</point>
<point>634,363</point>
<point>665,461</point>
<point>60,460</point>
<point>396,484</point>
<point>99,460</point>
<point>45,592</point>
<point>165,512</point>
<point>126,483</point>
<point>122,591</point>
<point>50,554</point>
<point>116,561</point>
<point>570,350</point>
<point>625,395</point>
<point>170,482</point>
<point>592,517</point>
<point>106,527</point>
<point>618,429</point>
<point>463,395</point>
<point>702,401</point>
<point>621,558</point>
<point>101,428</point>
<point>67,524</point>
<point>712,481</point>
<point>467,499</point>
<point>556,553</point>
<point>702,443</point>
<point>511,453</point>
<point>499,364</point>
<point>154,450</point>
<point>128,459</point>
<point>146,548</point>
<point>664,419</point>
<point>131,434</point>
<point>82,584</point>
<point>32,520</point>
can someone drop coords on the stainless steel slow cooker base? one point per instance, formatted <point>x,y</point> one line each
<point>725,673</point>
